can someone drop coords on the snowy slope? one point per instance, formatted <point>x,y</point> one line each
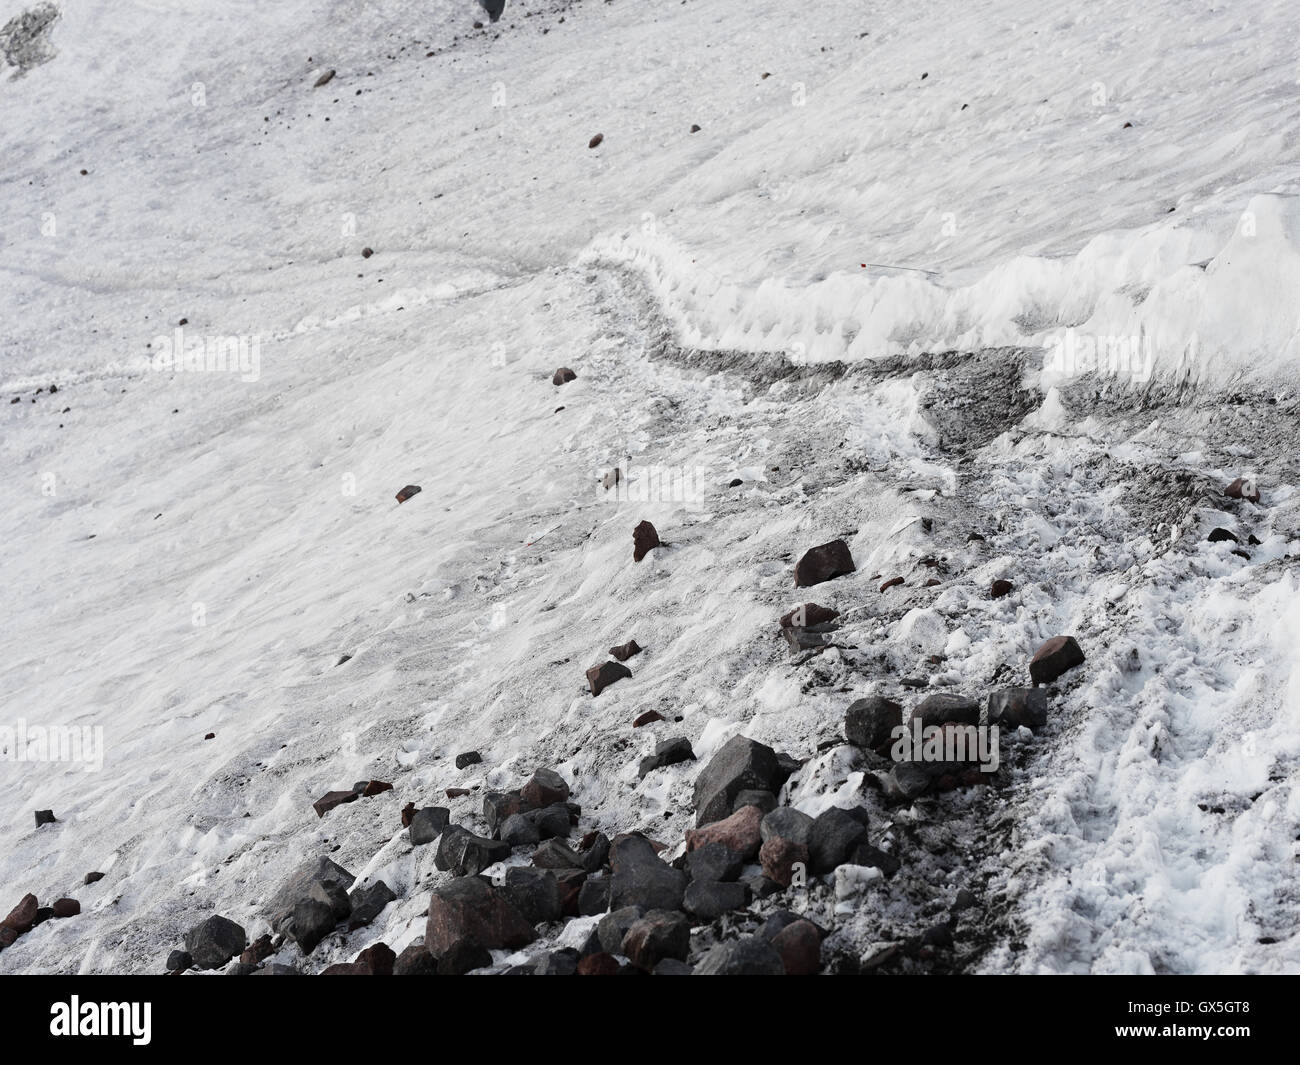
<point>193,552</point>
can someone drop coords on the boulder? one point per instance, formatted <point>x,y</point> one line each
<point>465,854</point>
<point>416,960</point>
<point>869,723</point>
<point>714,861</point>
<point>297,887</point>
<point>640,878</point>
<point>667,752</point>
<point>739,833</point>
<point>615,925</point>
<point>747,956</point>
<point>764,800</point>
<point>624,651</point>
<point>519,831</point>
<point>1056,656</point>
<point>823,563</point>
<point>944,707</point>
<point>809,616</point>
<point>799,944</point>
<point>834,835</point>
<point>778,857</point>
<point>368,903</point>
<point>545,788</point>
<point>428,824</point>
<point>22,918</point>
<point>707,900</point>
<point>563,376</point>
<point>602,676</point>
<point>468,916</point>
<point>785,822</point>
<point>311,922</point>
<point>468,758</point>
<point>535,893</point>
<point>645,538</point>
<point>740,764</point>
<point>212,943</point>
<point>554,854</point>
<point>659,934</point>
<point>1014,707</point>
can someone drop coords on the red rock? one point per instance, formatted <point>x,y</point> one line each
<point>800,946</point>
<point>598,965</point>
<point>739,832</point>
<point>778,857</point>
<point>258,951</point>
<point>807,615</point>
<point>8,937</point>
<point>563,376</point>
<point>596,141</point>
<point>367,252</point>
<point>407,492</point>
<point>375,787</point>
<point>331,799</point>
<point>645,538</point>
<point>1056,656</point>
<point>601,677</point>
<point>93,878</point>
<point>933,582</point>
<point>456,793</point>
<point>649,717</point>
<point>1000,588</point>
<point>624,651</point>
<point>408,812</point>
<point>210,736</point>
<point>893,582</point>
<point>376,960</point>
<point>470,912</point>
<point>823,563</point>
<point>545,788</point>
<point>23,916</point>
<point>1243,488</point>
<point>66,907</point>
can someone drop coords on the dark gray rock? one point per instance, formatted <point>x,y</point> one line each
<point>597,855</point>
<point>785,822</point>
<point>276,969</point>
<point>764,800</point>
<point>593,897</point>
<point>333,895</point>
<point>553,854</point>
<point>823,563</point>
<point>535,893</point>
<point>498,805</point>
<point>214,942</point>
<point>465,854</point>
<point>944,707</point>
<point>546,788</point>
<point>667,752</point>
<point>762,887</point>
<point>519,831</point>
<point>45,817</point>
<point>834,835</point>
<point>707,900</point>
<point>673,967</point>
<point>179,959</point>
<point>905,782</point>
<point>748,956</point>
<point>1014,707</point>
<point>369,902</point>
<point>467,759</point>
<point>311,922</point>
<point>551,822</point>
<point>740,764</point>
<point>659,934</point>
<point>1056,656</point>
<point>557,963</point>
<point>297,886</point>
<point>241,968</point>
<point>869,723</point>
<point>865,854</point>
<point>641,878</point>
<point>714,861</point>
<point>416,960</point>
<point>614,926</point>
<point>428,824</point>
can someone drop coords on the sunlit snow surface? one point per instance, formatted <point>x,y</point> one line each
<point>193,552</point>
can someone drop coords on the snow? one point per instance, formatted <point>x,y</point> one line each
<point>193,551</point>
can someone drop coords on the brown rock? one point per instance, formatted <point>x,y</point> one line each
<point>324,79</point>
<point>258,951</point>
<point>645,538</point>
<point>407,492</point>
<point>778,857</point>
<point>596,141</point>
<point>1243,488</point>
<point>800,946</point>
<point>66,907</point>
<point>601,964</point>
<point>456,793</point>
<point>807,615</point>
<point>624,651</point>
<point>739,832</point>
<point>1057,655</point>
<point>649,717</point>
<point>375,787</point>
<point>469,912</point>
<point>331,799</point>
<point>23,916</point>
<point>545,788</point>
<point>601,677</point>
<point>823,563</point>
<point>563,376</point>
<point>376,960</point>
<point>93,878</point>
<point>893,582</point>
<point>1000,588</point>
<point>408,812</point>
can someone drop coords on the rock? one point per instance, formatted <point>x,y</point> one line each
<point>415,960</point>
<point>593,897</point>
<point>66,907</point>
<point>803,640</point>
<point>739,765</point>
<point>799,945</point>
<point>834,835</point>
<point>214,942</point>
<point>258,951</point>
<point>407,492</point>
<point>611,478</point>
<point>498,805</point>
<point>624,651</point>
<point>324,79</point>
<point>365,254</point>
<point>894,582</point>
<point>552,822</point>
<point>1243,488</point>
<point>546,788</point>
<point>964,901</point>
<point>563,376</point>
<point>659,934</point>
<point>601,677</point>
<point>1053,658</point>
<point>331,799</point>
<point>641,879</point>
<point>614,926</point>
<point>1014,707</point>
<point>465,854</point>
<point>299,884</point>
<point>368,903</point>
<point>707,900</point>
<point>823,563</point>
<point>906,781</point>
<point>241,968</point>
<point>376,960</point>
<point>735,482</point>
<point>648,718</point>
<point>493,8</point>
<point>779,856</point>
<point>553,854</point>
<point>179,961</point>
<point>519,831</point>
<point>999,588</point>
<point>462,958</point>
<point>645,538</point>
<point>785,822</point>
<point>44,914</point>
<point>667,752</point>
<point>45,817</point>
<point>8,937</point>
<point>1218,536</point>
<point>869,723</point>
<point>764,800</point>
<point>673,967</point>
<point>596,141</point>
<point>808,616</point>
<point>93,878</point>
<point>335,896</point>
<point>600,964</point>
<point>535,893</point>
<point>944,707</point>
<point>22,918</point>
<point>714,861</point>
<point>428,824</point>
<point>557,963</point>
<point>739,833</point>
<point>747,956</point>
<point>595,853</point>
<point>467,759</point>
<point>456,793</point>
<point>311,922</point>
<point>367,788</point>
<point>469,915</point>
<point>408,812</point>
